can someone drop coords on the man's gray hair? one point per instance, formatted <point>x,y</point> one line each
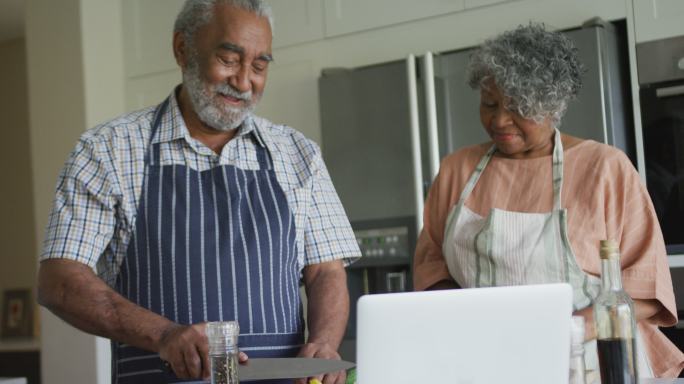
<point>196,13</point>
<point>538,70</point>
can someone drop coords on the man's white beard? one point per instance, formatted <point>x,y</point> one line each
<point>205,100</point>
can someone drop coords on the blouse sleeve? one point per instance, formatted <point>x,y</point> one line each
<point>429,266</point>
<point>631,219</point>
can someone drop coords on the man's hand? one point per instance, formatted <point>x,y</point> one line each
<point>186,349</point>
<point>323,351</point>
<point>328,309</point>
<point>588,314</point>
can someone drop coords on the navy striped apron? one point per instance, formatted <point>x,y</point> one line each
<point>215,245</point>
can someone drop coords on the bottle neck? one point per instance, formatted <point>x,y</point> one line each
<point>611,277</point>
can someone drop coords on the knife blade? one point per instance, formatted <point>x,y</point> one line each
<point>288,368</point>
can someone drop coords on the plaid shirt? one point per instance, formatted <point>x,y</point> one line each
<point>98,191</point>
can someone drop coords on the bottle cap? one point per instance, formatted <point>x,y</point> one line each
<point>609,249</point>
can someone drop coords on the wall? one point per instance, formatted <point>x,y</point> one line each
<point>80,73</point>
<point>75,81</point>
<point>291,95</point>
<point>298,67</point>
<point>17,236</point>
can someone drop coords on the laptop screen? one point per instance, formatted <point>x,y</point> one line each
<point>486,335</point>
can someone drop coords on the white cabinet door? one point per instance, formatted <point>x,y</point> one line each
<point>658,19</point>
<point>148,30</point>
<point>148,33</point>
<point>296,21</point>
<point>346,16</point>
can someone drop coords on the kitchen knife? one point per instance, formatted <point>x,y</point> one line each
<point>288,368</point>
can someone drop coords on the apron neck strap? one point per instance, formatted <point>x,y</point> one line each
<point>156,122</point>
<point>476,174</point>
<point>263,153</point>
<point>152,154</point>
<point>264,157</point>
<point>557,171</point>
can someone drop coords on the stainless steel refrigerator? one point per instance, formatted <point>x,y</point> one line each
<point>385,128</point>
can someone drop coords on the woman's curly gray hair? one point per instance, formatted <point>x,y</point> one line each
<point>537,70</point>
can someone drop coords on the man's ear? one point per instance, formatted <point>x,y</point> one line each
<point>180,49</point>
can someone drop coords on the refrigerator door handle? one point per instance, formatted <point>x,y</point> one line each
<point>431,112</point>
<point>415,139</point>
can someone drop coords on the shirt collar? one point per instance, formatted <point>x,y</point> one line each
<point>172,126</point>
<point>250,126</point>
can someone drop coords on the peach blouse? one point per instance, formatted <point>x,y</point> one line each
<point>604,197</point>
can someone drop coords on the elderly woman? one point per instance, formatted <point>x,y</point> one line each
<point>532,205</point>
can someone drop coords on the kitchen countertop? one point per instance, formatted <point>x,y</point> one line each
<point>12,380</point>
<point>20,345</point>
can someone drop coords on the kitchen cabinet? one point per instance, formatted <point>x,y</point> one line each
<point>481,3</point>
<point>658,19</point>
<point>150,89</point>
<point>147,41</point>
<point>347,16</point>
<point>302,21</point>
<point>151,70</point>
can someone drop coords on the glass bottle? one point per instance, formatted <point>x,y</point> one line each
<point>223,351</point>
<point>614,321</point>
<point>577,369</point>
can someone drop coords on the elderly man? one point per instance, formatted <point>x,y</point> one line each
<point>196,210</point>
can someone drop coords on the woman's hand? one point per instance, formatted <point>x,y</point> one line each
<point>643,311</point>
<point>589,329</point>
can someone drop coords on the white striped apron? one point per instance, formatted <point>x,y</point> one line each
<point>516,248</point>
<point>215,245</point>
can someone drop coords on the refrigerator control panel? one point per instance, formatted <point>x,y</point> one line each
<point>383,242</point>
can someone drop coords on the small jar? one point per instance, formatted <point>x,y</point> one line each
<point>577,368</point>
<point>223,351</point>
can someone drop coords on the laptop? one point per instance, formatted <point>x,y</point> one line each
<point>506,335</point>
